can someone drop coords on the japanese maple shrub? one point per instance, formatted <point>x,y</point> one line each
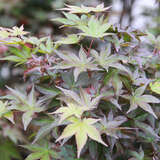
<point>100,84</point>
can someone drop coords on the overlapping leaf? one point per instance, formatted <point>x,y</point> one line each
<point>76,104</point>
<point>84,100</point>
<point>111,126</point>
<point>95,28</point>
<point>20,56</point>
<point>39,152</point>
<point>71,20</point>
<point>14,32</point>
<point>90,27</point>
<point>106,60</point>
<point>138,99</point>
<point>27,104</point>
<point>80,63</point>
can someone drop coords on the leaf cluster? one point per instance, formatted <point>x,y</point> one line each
<point>105,94</point>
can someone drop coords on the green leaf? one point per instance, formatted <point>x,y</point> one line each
<point>95,28</point>
<point>34,156</point>
<point>27,104</point>
<point>13,59</point>
<point>138,156</point>
<point>148,130</point>
<point>137,99</point>
<point>43,152</point>
<point>46,129</point>
<point>49,92</point>
<point>70,39</point>
<point>108,76</point>
<point>80,63</point>
<point>64,21</point>
<point>106,60</point>
<point>14,134</point>
<point>117,83</point>
<point>8,150</point>
<point>20,55</point>
<point>27,118</point>
<point>111,126</point>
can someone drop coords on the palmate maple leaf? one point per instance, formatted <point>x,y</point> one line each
<point>106,60</point>
<point>85,9</point>
<point>40,152</point>
<point>138,99</point>
<point>72,108</point>
<point>76,104</point>
<point>82,129</point>
<point>111,125</point>
<point>95,28</point>
<point>25,103</point>
<point>83,99</point>
<point>80,63</point>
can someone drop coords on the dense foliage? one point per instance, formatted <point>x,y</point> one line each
<point>99,83</point>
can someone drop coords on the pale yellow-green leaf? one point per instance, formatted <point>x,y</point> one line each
<point>6,112</point>
<point>81,140</point>
<point>9,115</point>
<point>155,87</point>
<point>4,34</point>
<point>72,108</point>
<point>84,100</point>
<point>26,118</point>
<point>82,128</point>
<point>85,9</point>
